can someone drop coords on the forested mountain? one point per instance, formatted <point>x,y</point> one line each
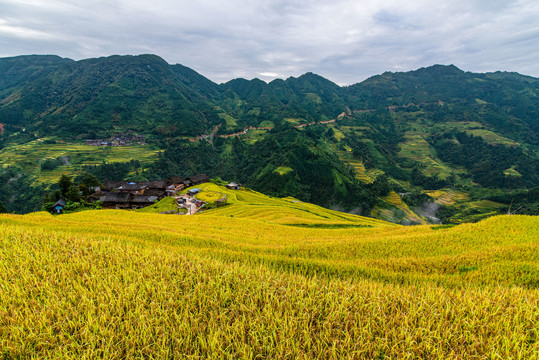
<point>435,134</point>
<point>507,102</point>
<point>93,97</point>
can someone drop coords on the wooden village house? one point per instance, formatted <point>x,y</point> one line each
<point>233,186</point>
<point>59,206</point>
<point>135,195</point>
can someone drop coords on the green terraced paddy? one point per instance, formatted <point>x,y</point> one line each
<point>29,156</point>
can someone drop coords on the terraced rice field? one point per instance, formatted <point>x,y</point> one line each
<point>386,211</point>
<point>477,129</point>
<point>249,204</point>
<point>266,278</point>
<point>416,148</point>
<point>365,175</point>
<point>29,156</point>
<point>447,197</point>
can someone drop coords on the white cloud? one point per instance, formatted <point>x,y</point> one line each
<point>344,40</point>
<point>270,74</point>
<point>21,32</point>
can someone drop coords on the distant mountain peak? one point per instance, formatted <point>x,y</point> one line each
<point>439,70</point>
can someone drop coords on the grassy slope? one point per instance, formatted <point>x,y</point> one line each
<point>366,176</point>
<point>467,210</point>
<point>416,148</point>
<point>235,283</point>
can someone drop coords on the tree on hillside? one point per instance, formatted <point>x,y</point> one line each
<point>64,184</point>
<point>87,183</point>
<point>89,180</point>
<point>381,186</point>
<point>3,210</point>
<point>73,194</point>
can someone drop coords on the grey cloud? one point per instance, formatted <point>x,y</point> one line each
<point>345,40</point>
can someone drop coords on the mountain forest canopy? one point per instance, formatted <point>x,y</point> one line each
<point>437,131</point>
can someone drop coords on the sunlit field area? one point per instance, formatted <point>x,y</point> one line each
<point>266,278</point>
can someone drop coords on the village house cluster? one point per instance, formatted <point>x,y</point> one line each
<point>136,195</point>
<point>124,139</point>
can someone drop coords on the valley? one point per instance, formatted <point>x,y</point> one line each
<point>354,148</point>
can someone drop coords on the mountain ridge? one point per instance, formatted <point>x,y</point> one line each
<point>186,89</point>
<point>302,136</point>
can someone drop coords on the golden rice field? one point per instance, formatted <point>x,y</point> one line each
<point>250,204</point>
<point>237,283</point>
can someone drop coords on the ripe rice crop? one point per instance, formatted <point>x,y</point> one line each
<point>120,284</point>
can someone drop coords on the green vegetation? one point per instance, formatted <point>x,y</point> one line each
<point>294,121</point>
<point>230,121</point>
<point>266,123</point>
<point>209,196</point>
<point>250,204</point>
<point>132,171</point>
<point>18,193</point>
<point>318,176</point>
<point>270,276</point>
<point>415,147</point>
<point>98,97</point>
<point>487,163</point>
<point>391,207</point>
<point>49,161</point>
<point>430,129</point>
<point>518,201</point>
<point>511,172</point>
<point>73,192</point>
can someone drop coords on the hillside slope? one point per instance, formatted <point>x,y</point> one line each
<point>125,284</point>
<point>47,94</point>
<point>374,148</point>
<point>91,98</point>
<point>249,204</point>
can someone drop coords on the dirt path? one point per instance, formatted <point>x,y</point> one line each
<point>244,132</point>
<point>189,204</point>
<point>209,136</point>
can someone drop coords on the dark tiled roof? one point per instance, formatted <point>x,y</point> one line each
<point>140,199</point>
<point>110,185</point>
<point>60,202</point>
<point>115,197</point>
<point>154,192</point>
<point>160,184</point>
<point>175,180</point>
<point>132,187</point>
<point>97,195</point>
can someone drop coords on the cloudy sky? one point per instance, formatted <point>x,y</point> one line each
<point>345,41</point>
